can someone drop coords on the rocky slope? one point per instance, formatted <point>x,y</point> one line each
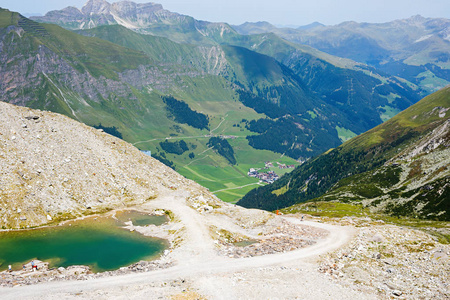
<point>392,261</point>
<point>54,168</point>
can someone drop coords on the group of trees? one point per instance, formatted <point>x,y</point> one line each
<point>178,147</point>
<point>223,148</point>
<point>162,158</point>
<point>182,113</point>
<point>293,136</point>
<point>110,130</point>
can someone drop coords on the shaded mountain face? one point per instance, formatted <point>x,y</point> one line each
<point>400,167</point>
<point>416,48</point>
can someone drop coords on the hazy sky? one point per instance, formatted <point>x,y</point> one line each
<point>282,12</point>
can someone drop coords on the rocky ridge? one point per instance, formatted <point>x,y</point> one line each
<point>50,70</point>
<point>136,16</point>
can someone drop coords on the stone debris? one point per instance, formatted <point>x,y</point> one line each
<point>27,276</point>
<point>266,246</point>
<point>394,262</point>
<point>283,238</point>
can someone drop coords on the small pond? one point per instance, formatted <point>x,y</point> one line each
<point>97,242</point>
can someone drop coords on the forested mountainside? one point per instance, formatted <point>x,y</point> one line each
<point>400,167</point>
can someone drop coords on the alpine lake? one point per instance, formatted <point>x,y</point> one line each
<point>98,242</point>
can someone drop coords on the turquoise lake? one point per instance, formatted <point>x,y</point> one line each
<point>96,242</point>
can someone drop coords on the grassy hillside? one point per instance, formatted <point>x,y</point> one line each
<point>399,167</point>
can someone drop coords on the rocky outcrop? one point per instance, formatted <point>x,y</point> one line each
<point>46,70</point>
<point>128,14</point>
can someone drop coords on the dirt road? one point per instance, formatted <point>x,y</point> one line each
<point>200,269</point>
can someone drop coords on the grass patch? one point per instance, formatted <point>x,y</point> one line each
<point>329,209</point>
<point>345,134</point>
<point>387,112</point>
<point>439,229</point>
<point>281,191</point>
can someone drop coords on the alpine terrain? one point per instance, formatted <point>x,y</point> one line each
<point>128,69</point>
<point>55,169</point>
<point>118,113</point>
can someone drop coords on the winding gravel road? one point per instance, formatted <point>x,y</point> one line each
<point>287,275</point>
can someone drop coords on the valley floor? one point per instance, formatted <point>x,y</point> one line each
<point>203,262</point>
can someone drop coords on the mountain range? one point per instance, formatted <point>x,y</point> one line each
<point>416,48</point>
<point>120,65</point>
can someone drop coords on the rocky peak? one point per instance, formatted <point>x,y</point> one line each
<point>100,12</point>
<point>93,7</point>
<point>416,19</point>
<point>122,8</point>
<point>131,8</point>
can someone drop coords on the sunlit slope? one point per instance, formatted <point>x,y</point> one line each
<point>399,167</point>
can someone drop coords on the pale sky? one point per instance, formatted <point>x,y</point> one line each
<point>280,12</point>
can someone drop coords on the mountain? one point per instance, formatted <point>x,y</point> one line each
<point>255,27</point>
<point>267,96</point>
<point>400,167</point>
<point>54,168</point>
<point>311,26</point>
<point>381,99</point>
<point>148,18</point>
<point>416,49</point>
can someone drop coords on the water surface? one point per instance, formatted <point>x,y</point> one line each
<point>96,242</point>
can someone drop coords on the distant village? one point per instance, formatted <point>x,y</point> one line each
<point>270,176</point>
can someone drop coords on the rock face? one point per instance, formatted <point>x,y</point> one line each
<point>53,168</point>
<point>98,12</point>
<point>136,16</point>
